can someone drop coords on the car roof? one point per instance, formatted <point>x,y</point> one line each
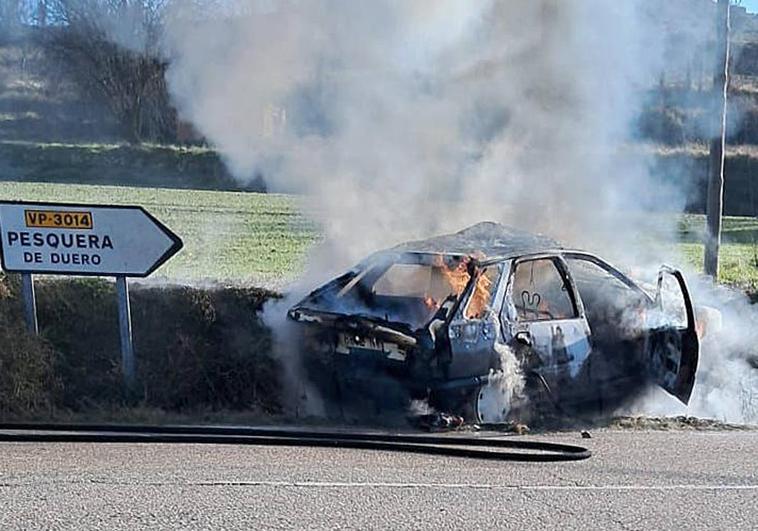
<point>484,240</point>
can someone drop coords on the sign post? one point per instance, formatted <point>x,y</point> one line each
<point>125,331</point>
<point>78,239</point>
<point>30,303</point>
<point>714,206</point>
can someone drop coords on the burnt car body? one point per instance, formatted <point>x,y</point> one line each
<point>491,321</point>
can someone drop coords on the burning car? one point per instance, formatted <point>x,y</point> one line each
<point>492,322</point>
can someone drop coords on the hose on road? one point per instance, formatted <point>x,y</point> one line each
<point>453,446</point>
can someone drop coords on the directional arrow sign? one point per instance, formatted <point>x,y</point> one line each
<point>76,239</point>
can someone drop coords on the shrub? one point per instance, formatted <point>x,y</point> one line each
<point>28,383</point>
<point>664,125</point>
<point>194,348</point>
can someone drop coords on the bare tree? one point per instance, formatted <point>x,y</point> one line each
<point>111,49</point>
<point>16,16</point>
<point>10,17</point>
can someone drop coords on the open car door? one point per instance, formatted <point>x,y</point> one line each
<point>673,345</point>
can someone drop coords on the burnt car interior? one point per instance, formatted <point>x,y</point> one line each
<point>408,288</point>
<point>541,292</point>
<point>614,307</point>
<point>414,291</point>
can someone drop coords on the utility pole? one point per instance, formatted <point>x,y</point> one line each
<point>715,198</point>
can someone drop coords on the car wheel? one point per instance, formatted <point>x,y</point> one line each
<point>493,403</point>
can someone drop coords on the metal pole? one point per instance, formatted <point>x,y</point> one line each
<point>125,327</point>
<point>30,303</point>
<point>715,198</point>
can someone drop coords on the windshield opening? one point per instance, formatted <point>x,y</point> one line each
<point>408,288</point>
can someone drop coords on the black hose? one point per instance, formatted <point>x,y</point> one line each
<point>423,444</point>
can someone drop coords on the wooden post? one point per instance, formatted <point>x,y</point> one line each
<point>715,198</point>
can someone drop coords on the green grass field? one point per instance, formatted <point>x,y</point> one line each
<point>256,238</point>
<point>739,250</point>
<point>263,238</point>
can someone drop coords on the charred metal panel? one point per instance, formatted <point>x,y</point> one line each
<point>556,348</point>
<point>472,345</point>
<point>472,341</point>
<point>673,342</point>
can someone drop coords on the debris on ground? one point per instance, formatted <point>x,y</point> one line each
<point>681,422</point>
<point>506,427</point>
<point>438,422</point>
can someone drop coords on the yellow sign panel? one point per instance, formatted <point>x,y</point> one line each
<point>57,219</point>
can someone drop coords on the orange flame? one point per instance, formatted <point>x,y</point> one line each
<point>457,278</point>
<point>431,303</point>
<point>480,298</point>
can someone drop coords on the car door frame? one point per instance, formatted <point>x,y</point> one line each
<point>518,331</point>
<point>662,337</point>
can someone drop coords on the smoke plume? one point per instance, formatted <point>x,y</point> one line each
<point>405,118</point>
<point>399,119</point>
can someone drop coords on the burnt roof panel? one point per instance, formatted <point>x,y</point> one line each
<point>490,238</point>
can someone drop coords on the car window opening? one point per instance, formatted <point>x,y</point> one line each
<point>540,292</point>
<point>610,305</point>
<point>411,289</point>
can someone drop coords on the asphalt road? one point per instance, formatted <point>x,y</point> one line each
<point>635,480</point>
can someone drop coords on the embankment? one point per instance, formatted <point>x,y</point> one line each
<point>196,350</point>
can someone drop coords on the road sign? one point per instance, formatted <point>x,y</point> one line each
<point>76,239</point>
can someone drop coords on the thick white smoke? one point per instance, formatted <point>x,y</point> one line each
<point>401,118</point>
<point>404,118</point>
<point>727,381</point>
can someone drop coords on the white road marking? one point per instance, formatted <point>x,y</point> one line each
<point>339,484</point>
<point>388,485</point>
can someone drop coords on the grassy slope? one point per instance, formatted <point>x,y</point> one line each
<point>263,237</point>
<point>147,165</point>
<point>49,132</point>
<point>259,238</point>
